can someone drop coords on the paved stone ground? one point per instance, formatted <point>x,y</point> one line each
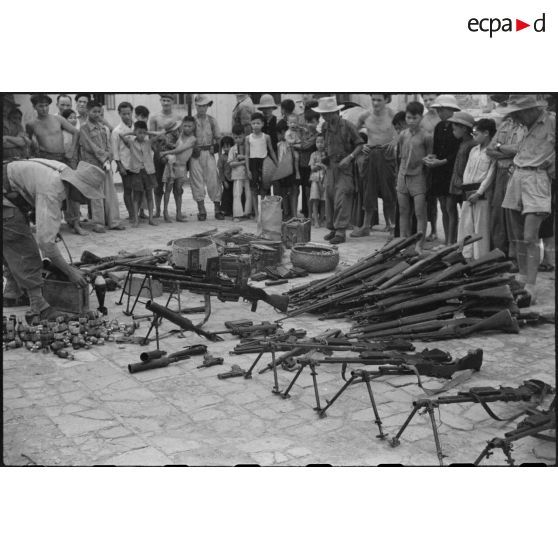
<point>92,411</point>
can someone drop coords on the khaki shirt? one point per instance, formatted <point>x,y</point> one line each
<point>537,147</point>
<point>38,182</point>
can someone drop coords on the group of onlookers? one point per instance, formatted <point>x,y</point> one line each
<point>487,179</point>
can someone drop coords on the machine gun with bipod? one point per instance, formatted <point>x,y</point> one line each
<point>481,395</point>
<point>533,425</point>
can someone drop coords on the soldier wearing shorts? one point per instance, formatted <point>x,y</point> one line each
<point>528,194</point>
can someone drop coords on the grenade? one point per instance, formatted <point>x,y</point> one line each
<point>56,346</point>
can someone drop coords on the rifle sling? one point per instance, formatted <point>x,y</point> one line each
<point>491,413</point>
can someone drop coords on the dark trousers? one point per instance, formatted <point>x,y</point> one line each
<point>305,173</point>
<point>339,198</point>
<point>227,198</point>
<point>20,251</point>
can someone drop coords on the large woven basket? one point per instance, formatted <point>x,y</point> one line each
<point>192,253</point>
<point>315,258</point>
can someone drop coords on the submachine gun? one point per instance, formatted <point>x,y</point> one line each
<point>482,395</point>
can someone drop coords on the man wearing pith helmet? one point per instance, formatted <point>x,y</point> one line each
<point>342,144</point>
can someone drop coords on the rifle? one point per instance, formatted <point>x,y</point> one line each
<point>429,260</point>
<point>391,248</point>
<point>533,425</point>
<point>248,329</point>
<point>500,293</point>
<point>162,361</point>
<point>440,313</point>
<point>481,395</point>
<point>462,268</point>
<point>179,320</point>
<point>224,290</point>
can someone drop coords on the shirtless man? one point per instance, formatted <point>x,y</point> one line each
<point>47,129</point>
<point>380,171</point>
<point>157,123</point>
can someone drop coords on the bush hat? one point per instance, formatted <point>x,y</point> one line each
<point>327,104</point>
<point>202,100</point>
<point>87,178</point>
<point>522,102</point>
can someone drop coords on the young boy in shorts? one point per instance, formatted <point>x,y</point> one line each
<point>413,146</point>
<point>182,154</point>
<point>258,147</point>
<point>142,168</point>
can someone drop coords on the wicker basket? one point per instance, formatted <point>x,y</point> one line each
<point>192,253</point>
<point>315,258</point>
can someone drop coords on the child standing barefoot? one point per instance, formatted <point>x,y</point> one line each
<point>182,152</point>
<point>317,189</point>
<point>258,147</point>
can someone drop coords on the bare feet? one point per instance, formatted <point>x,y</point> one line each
<point>167,217</point>
<point>135,224</point>
<point>79,230</point>
<point>151,222</point>
<point>98,228</point>
<point>179,218</point>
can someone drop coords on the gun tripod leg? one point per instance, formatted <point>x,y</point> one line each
<point>394,442</point>
<point>154,324</point>
<point>129,312</point>
<point>285,394</point>
<point>126,281</point>
<point>430,410</point>
<point>248,374</point>
<point>336,396</point>
<point>377,420</point>
<point>316,393</point>
<point>275,390</point>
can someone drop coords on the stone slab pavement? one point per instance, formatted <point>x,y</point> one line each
<point>91,411</point>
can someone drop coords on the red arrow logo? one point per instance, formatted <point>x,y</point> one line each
<point>519,25</point>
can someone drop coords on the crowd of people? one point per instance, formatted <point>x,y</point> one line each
<point>488,179</point>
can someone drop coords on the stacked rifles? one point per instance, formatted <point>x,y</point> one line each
<point>396,293</point>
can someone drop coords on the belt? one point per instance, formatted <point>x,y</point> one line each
<point>529,168</point>
<point>204,147</point>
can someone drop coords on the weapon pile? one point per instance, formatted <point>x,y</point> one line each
<point>394,293</point>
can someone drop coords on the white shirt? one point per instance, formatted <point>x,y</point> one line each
<point>258,146</point>
<point>120,151</point>
<point>480,168</point>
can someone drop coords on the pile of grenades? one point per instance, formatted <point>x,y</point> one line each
<point>60,335</point>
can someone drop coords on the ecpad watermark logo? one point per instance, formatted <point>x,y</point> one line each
<point>495,25</point>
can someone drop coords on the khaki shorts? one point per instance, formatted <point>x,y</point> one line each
<point>411,185</point>
<point>528,191</point>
